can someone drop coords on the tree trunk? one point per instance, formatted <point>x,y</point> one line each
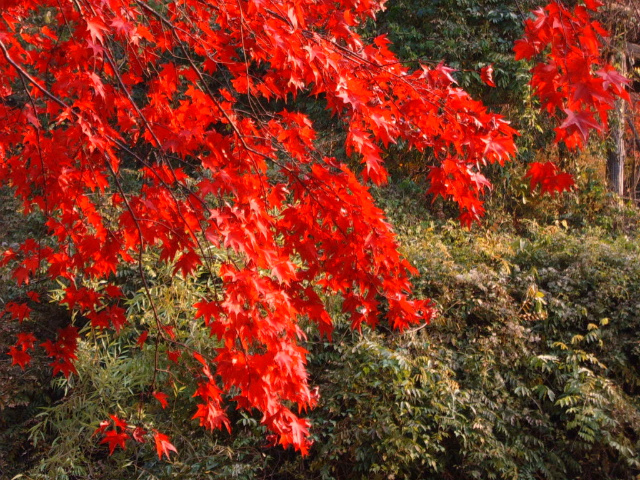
<point>617,154</point>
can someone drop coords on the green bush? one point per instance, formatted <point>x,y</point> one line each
<point>530,372</point>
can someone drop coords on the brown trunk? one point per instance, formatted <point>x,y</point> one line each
<point>635,170</point>
<point>617,153</point>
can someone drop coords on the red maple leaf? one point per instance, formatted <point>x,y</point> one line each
<point>187,263</point>
<point>99,320</point>
<point>101,427</point>
<point>174,355</point>
<point>486,74</point>
<point>118,422</point>
<point>35,296</point>
<point>614,80</point>
<point>208,310</point>
<point>96,29</point>
<point>142,338</point>
<point>581,121</point>
<point>19,357</point>
<point>139,434</point>
<point>212,416</point>
<point>66,367</point>
<point>117,317</point>
<point>593,4</point>
<point>19,311</point>
<point>163,446</point>
<point>114,439</point>
<point>162,398</point>
<point>26,340</point>
<point>113,291</point>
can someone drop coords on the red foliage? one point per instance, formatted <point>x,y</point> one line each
<point>63,350</point>
<point>20,351</point>
<point>18,311</point>
<point>162,398</point>
<point>142,338</point>
<point>114,439</point>
<point>19,356</point>
<point>163,446</point>
<point>549,178</point>
<point>486,74</point>
<point>218,169</point>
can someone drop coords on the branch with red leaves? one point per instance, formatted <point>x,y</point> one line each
<point>573,82</point>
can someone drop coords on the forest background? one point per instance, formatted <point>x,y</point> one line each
<point>530,370</point>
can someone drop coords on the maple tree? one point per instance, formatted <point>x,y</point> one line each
<point>198,97</point>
